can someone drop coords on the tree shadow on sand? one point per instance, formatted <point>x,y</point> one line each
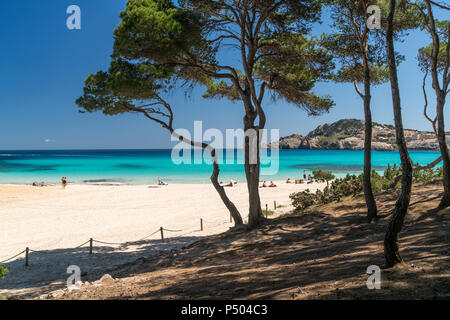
<point>47,269</point>
<point>313,256</point>
<point>321,254</point>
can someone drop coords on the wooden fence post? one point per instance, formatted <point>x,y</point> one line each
<point>91,245</point>
<point>201,224</point>
<point>27,254</point>
<point>275,205</point>
<point>162,233</point>
<point>267,210</point>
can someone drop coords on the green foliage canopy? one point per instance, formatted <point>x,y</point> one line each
<point>188,37</point>
<point>353,41</point>
<point>129,87</point>
<point>424,55</point>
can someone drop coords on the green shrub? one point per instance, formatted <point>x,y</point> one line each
<point>3,272</point>
<point>323,175</point>
<point>302,200</point>
<point>339,188</point>
<point>427,175</point>
<point>352,185</point>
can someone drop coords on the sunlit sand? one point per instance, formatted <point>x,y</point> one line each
<point>50,219</point>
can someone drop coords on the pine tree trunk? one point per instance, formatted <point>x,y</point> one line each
<point>441,94</point>
<point>252,171</point>
<point>255,216</point>
<point>391,250</point>
<point>368,193</point>
<point>445,201</point>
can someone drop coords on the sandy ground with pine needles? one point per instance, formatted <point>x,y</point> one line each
<point>321,254</point>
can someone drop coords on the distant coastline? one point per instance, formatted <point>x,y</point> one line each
<point>348,134</point>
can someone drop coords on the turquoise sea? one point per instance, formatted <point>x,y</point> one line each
<point>145,166</point>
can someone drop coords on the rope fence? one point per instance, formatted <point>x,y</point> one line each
<point>161,230</point>
<point>91,242</point>
<point>168,230</point>
<point>82,244</point>
<point>110,243</point>
<point>12,257</point>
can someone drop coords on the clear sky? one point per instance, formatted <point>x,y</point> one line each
<point>43,66</point>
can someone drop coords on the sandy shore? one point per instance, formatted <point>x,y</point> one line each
<point>52,220</point>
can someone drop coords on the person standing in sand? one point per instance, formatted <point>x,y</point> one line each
<point>63,182</point>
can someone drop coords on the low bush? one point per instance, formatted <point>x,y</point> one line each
<point>3,272</point>
<point>339,188</point>
<point>323,175</point>
<point>352,185</point>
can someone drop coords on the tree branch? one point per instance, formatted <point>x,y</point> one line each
<point>433,122</point>
<point>357,89</point>
<point>438,5</point>
<point>415,169</point>
<point>216,170</point>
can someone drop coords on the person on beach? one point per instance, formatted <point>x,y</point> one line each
<point>288,180</point>
<point>35,184</point>
<point>161,183</point>
<point>309,177</point>
<point>304,174</point>
<point>63,182</point>
<point>272,185</point>
<point>264,185</point>
<point>229,184</point>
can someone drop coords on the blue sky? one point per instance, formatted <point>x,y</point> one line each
<point>43,66</point>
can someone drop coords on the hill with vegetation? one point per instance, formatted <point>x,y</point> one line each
<point>348,134</point>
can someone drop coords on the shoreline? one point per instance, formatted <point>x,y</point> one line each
<point>144,167</point>
<point>152,185</point>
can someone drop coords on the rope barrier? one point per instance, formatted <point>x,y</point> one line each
<point>149,235</point>
<point>82,244</point>
<point>111,243</point>
<point>172,230</point>
<point>12,257</point>
<point>91,241</point>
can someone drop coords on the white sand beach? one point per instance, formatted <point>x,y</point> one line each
<point>50,219</point>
